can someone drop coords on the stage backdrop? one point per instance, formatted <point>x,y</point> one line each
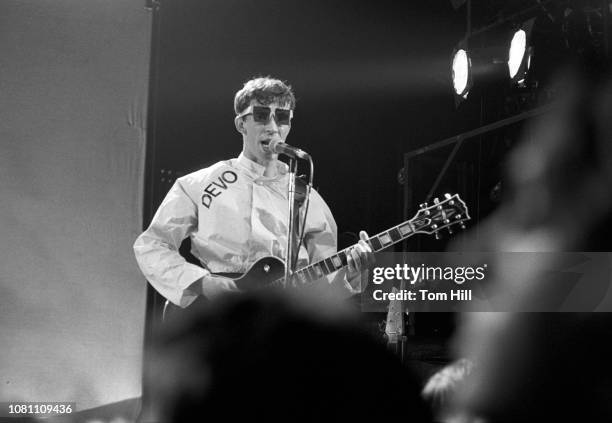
<point>73,84</point>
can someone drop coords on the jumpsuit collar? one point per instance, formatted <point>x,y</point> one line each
<point>257,171</point>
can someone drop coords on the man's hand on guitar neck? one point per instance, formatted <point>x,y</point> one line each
<point>359,259</point>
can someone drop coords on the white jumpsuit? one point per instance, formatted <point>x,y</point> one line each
<point>234,216</point>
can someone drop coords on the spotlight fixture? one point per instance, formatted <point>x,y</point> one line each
<point>461,72</point>
<point>520,52</point>
<point>488,58</point>
<point>476,62</point>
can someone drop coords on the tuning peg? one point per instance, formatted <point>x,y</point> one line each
<point>438,236</point>
<point>450,230</point>
<point>436,201</point>
<point>462,226</point>
<point>446,221</point>
<point>434,226</point>
<point>447,196</point>
<point>423,205</point>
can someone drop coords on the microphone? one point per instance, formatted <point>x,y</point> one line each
<point>279,147</point>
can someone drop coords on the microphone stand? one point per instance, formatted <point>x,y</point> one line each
<point>289,265</point>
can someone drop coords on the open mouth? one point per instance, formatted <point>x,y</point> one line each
<point>265,144</point>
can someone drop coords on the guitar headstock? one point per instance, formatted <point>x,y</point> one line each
<point>442,214</point>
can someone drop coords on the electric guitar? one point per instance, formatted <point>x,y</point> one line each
<point>443,214</point>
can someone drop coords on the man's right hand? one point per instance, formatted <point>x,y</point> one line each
<point>213,285</point>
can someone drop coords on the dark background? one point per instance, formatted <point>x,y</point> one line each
<point>372,80</point>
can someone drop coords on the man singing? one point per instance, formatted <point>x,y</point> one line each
<point>236,212</point>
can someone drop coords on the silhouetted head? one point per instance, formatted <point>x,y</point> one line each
<point>274,358</point>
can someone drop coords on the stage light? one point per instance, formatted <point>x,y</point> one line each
<point>519,53</point>
<point>518,47</point>
<point>461,72</point>
<point>487,58</point>
<point>475,62</point>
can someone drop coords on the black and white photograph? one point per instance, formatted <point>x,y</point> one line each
<point>305,211</point>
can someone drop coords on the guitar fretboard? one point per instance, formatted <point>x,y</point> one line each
<point>429,220</point>
<point>337,261</point>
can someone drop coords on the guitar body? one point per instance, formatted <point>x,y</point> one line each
<point>261,274</point>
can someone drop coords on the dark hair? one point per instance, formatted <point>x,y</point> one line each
<point>265,90</point>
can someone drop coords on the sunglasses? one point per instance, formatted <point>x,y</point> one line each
<point>261,114</point>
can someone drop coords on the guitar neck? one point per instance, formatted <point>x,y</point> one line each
<point>339,260</point>
<point>428,220</point>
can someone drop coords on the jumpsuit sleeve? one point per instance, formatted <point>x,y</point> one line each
<point>157,248</point>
